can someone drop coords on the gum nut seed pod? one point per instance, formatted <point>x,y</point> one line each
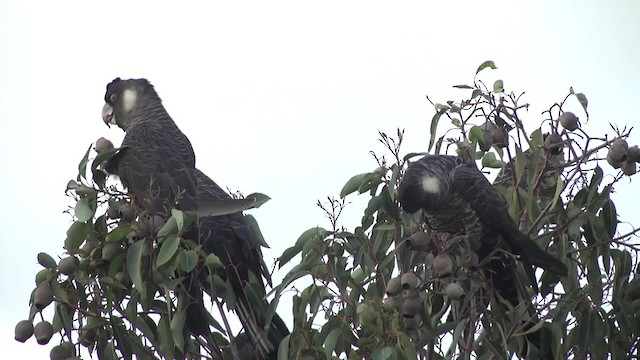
<point>140,228</point>
<point>156,222</point>
<point>411,323</point>
<point>409,281</point>
<point>419,241</point>
<point>71,350</point>
<point>455,291</point>
<point>486,141</point>
<point>568,120</point>
<point>43,332</point>
<point>488,126</point>
<point>411,306</point>
<point>24,330</point>
<point>628,167</point>
<point>632,291</point>
<point>123,278</point>
<point>110,250</point>
<point>554,143</point>
<point>43,296</point>
<point>471,260</point>
<point>87,248</point>
<point>443,265</point>
<point>59,352</point>
<point>620,143</point>
<point>617,154</point>
<point>68,265</point>
<point>393,302</point>
<point>42,276</point>
<point>103,144</point>
<point>126,211</point>
<point>394,286</point>
<point>499,137</point>
<point>113,213</point>
<point>634,153</point>
<point>613,162</point>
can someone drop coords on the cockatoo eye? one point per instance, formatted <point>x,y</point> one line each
<point>113,97</point>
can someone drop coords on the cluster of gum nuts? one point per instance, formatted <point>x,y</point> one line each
<point>623,157</point>
<point>404,291</point>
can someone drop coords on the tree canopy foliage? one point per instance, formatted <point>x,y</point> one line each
<point>380,290</point>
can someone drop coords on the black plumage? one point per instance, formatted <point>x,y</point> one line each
<point>457,199</point>
<point>235,243</point>
<point>156,164</point>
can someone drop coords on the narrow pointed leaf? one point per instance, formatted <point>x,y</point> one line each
<point>134,262</point>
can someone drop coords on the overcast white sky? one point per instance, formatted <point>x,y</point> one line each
<point>283,98</point>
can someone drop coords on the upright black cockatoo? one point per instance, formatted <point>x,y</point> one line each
<point>156,164</point>
<point>457,199</point>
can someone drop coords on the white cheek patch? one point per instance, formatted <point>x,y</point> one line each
<point>129,98</point>
<point>431,184</point>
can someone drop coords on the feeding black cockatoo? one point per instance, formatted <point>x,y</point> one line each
<point>156,164</point>
<point>457,199</point>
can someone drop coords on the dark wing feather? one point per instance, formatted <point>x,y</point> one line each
<point>491,208</point>
<point>234,242</point>
<point>229,234</point>
<point>157,171</point>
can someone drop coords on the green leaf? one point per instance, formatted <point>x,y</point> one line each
<point>434,127</point>
<point>610,218</point>
<point>331,341</point>
<point>498,86</point>
<point>388,204</point>
<point>47,261</point>
<point>382,354</point>
<point>462,87</point>
<point>441,107</point>
<point>213,261</point>
<point>582,99</point>
<point>134,262</point>
<point>167,250</point>
<point>109,352</point>
<point>187,260</point>
<point>260,199</point>
<point>253,223</point>
<point>457,333</point>
<point>103,156</point>
<point>283,349</point>
<point>353,184</point>
<point>179,218</point>
<point>76,235</point>
<point>177,327</point>
<point>82,167</point>
<point>72,185</point>
<point>486,64</point>
<point>169,228</point>
<point>556,196</point>
<point>118,233</point>
<point>310,235</point>
<point>489,160</point>
<point>476,133</point>
<point>165,337</point>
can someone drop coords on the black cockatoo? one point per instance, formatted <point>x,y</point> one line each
<point>156,164</point>
<point>457,199</point>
